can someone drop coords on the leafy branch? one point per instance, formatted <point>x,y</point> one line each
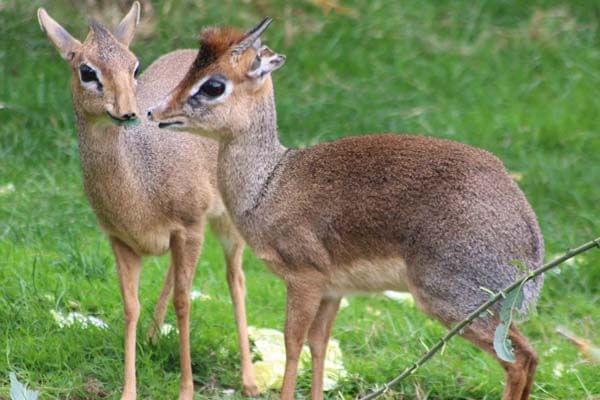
<point>512,294</point>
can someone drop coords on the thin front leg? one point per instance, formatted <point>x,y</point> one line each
<point>318,338</point>
<point>303,299</point>
<point>237,289</point>
<point>161,306</point>
<point>185,249</point>
<point>128,268</point>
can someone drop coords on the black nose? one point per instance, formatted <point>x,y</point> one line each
<point>149,114</point>
<point>128,116</point>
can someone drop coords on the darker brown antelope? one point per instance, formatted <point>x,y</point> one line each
<point>433,217</point>
<point>152,191</point>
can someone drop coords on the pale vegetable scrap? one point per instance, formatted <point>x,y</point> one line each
<point>167,329</point>
<point>373,311</point>
<point>196,294</point>
<point>7,189</point>
<point>516,176</point>
<point>49,297</point>
<point>558,369</point>
<point>269,345</point>
<point>402,297</point>
<point>73,305</point>
<point>344,303</point>
<point>72,318</point>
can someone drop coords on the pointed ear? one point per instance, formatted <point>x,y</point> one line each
<point>266,61</point>
<point>66,44</point>
<point>126,29</point>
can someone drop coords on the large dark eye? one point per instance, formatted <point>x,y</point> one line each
<point>137,71</point>
<point>212,88</point>
<point>87,73</point>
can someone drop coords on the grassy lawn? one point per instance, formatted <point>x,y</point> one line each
<point>518,79</point>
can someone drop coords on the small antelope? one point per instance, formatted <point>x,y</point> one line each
<point>433,217</point>
<point>152,191</point>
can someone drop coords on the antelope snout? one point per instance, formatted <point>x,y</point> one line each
<point>123,114</point>
<point>128,116</point>
<point>150,114</point>
<point>126,109</point>
<point>163,115</point>
<point>157,113</point>
<point>123,108</point>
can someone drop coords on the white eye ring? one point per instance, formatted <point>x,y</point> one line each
<point>93,86</point>
<point>214,100</point>
<point>136,71</point>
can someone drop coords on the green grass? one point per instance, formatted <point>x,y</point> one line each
<point>518,79</point>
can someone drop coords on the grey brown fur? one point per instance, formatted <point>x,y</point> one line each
<point>152,190</point>
<point>449,210</point>
<point>434,217</point>
<point>131,175</point>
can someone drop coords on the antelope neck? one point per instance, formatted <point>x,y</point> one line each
<point>246,164</point>
<point>104,153</point>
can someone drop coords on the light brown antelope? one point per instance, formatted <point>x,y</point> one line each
<point>434,217</point>
<point>152,191</point>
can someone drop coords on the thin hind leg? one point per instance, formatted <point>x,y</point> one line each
<point>519,375</point>
<point>526,362</point>
<point>233,247</point>
<point>318,339</point>
<point>532,359</point>
<point>161,306</point>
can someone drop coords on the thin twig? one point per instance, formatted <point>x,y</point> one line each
<point>471,317</point>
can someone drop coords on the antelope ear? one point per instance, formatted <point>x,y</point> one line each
<point>66,44</point>
<point>266,61</point>
<point>126,29</point>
